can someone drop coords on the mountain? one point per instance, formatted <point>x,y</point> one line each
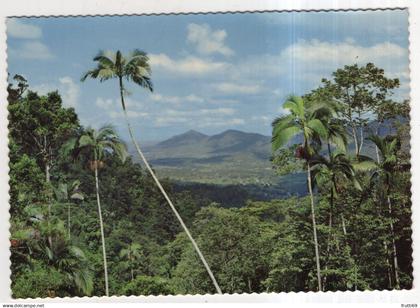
<point>186,138</point>
<point>230,157</point>
<point>195,145</point>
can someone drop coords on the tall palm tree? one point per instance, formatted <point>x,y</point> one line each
<point>383,173</point>
<point>135,67</point>
<point>132,253</point>
<point>303,119</point>
<point>67,193</point>
<point>332,173</point>
<point>98,143</point>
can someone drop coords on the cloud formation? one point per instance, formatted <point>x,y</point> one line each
<point>234,88</point>
<point>32,50</point>
<point>70,91</point>
<point>192,98</point>
<point>188,66</point>
<point>206,41</point>
<point>21,30</point>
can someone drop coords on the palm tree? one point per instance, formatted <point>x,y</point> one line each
<point>136,68</point>
<point>67,193</point>
<point>382,173</point>
<point>303,119</point>
<point>68,259</point>
<point>332,173</point>
<point>98,143</point>
<point>132,253</point>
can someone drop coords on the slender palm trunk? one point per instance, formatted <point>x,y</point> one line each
<point>68,219</point>
<point>343,225</point>
<point>130,259</point>
<point>101,224</point>
<point>318,267</point>
<point>197,249</point>
<point>48,180</point>
<point>330,223</point>
<point>388,265</point>
<point>385,244</point>
<point>394,247</point>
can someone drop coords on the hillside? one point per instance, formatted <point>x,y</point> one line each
<point>231,157</point>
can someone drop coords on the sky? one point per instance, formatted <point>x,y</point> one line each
<point>211,72</point>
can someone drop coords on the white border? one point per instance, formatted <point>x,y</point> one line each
<point>111,7</point>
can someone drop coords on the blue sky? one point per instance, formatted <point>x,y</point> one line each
<point>210,72</point>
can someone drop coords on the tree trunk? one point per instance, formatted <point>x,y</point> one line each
<point>378,158</point>
<point>48,180</point>
<point>318,267</point>
<point>330,222</point>
<point>394,247</point>
<point>184,227</point>
<point>68,220</point>
<point>343,224</point>
<point>361,139</point>
<point>130,260</point>
<point>356,141</point>
<point>388,266</point>
<point>102,230</point>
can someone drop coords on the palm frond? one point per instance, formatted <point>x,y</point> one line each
<point>318,127</point>
<point>86,140</point>
<point>280,138</point>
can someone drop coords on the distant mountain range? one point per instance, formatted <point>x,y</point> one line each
<point>231,157</point>
<point>198,147</point>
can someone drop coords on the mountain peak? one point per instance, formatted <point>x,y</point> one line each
<point>193,132</point>
<point>189,137</point>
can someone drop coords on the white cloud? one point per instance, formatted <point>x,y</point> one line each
<point>232,88</point>
<point>314,59</point>
<point>113,108</point>
<point>264,119</point>
<point>104,103</point>
<point>192,98</point>
<point>162,121</point>
<point>187,66</point>
<point>116,103</point>
<point>207,41</point>
<point>19,29</point>
<point>70,91</point>
<point>222,101</point>
<point>218,111</point>
<point>300,67</point>
<point>32,50</point>
<point>324,53</point>
<point>196,117</point>
<point>66,87</point>
<point>130,113</point>
<point>214,122</point>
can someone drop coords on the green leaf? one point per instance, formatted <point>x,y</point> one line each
<point>318,127</point>
<point>86,140</point>
<point>282,137</point>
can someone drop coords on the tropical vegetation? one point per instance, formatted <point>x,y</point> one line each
<point>89,219</point>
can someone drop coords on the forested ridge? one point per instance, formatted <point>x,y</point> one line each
<point>352,231</point>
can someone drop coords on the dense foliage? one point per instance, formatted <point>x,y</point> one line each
<point>360,199</point>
